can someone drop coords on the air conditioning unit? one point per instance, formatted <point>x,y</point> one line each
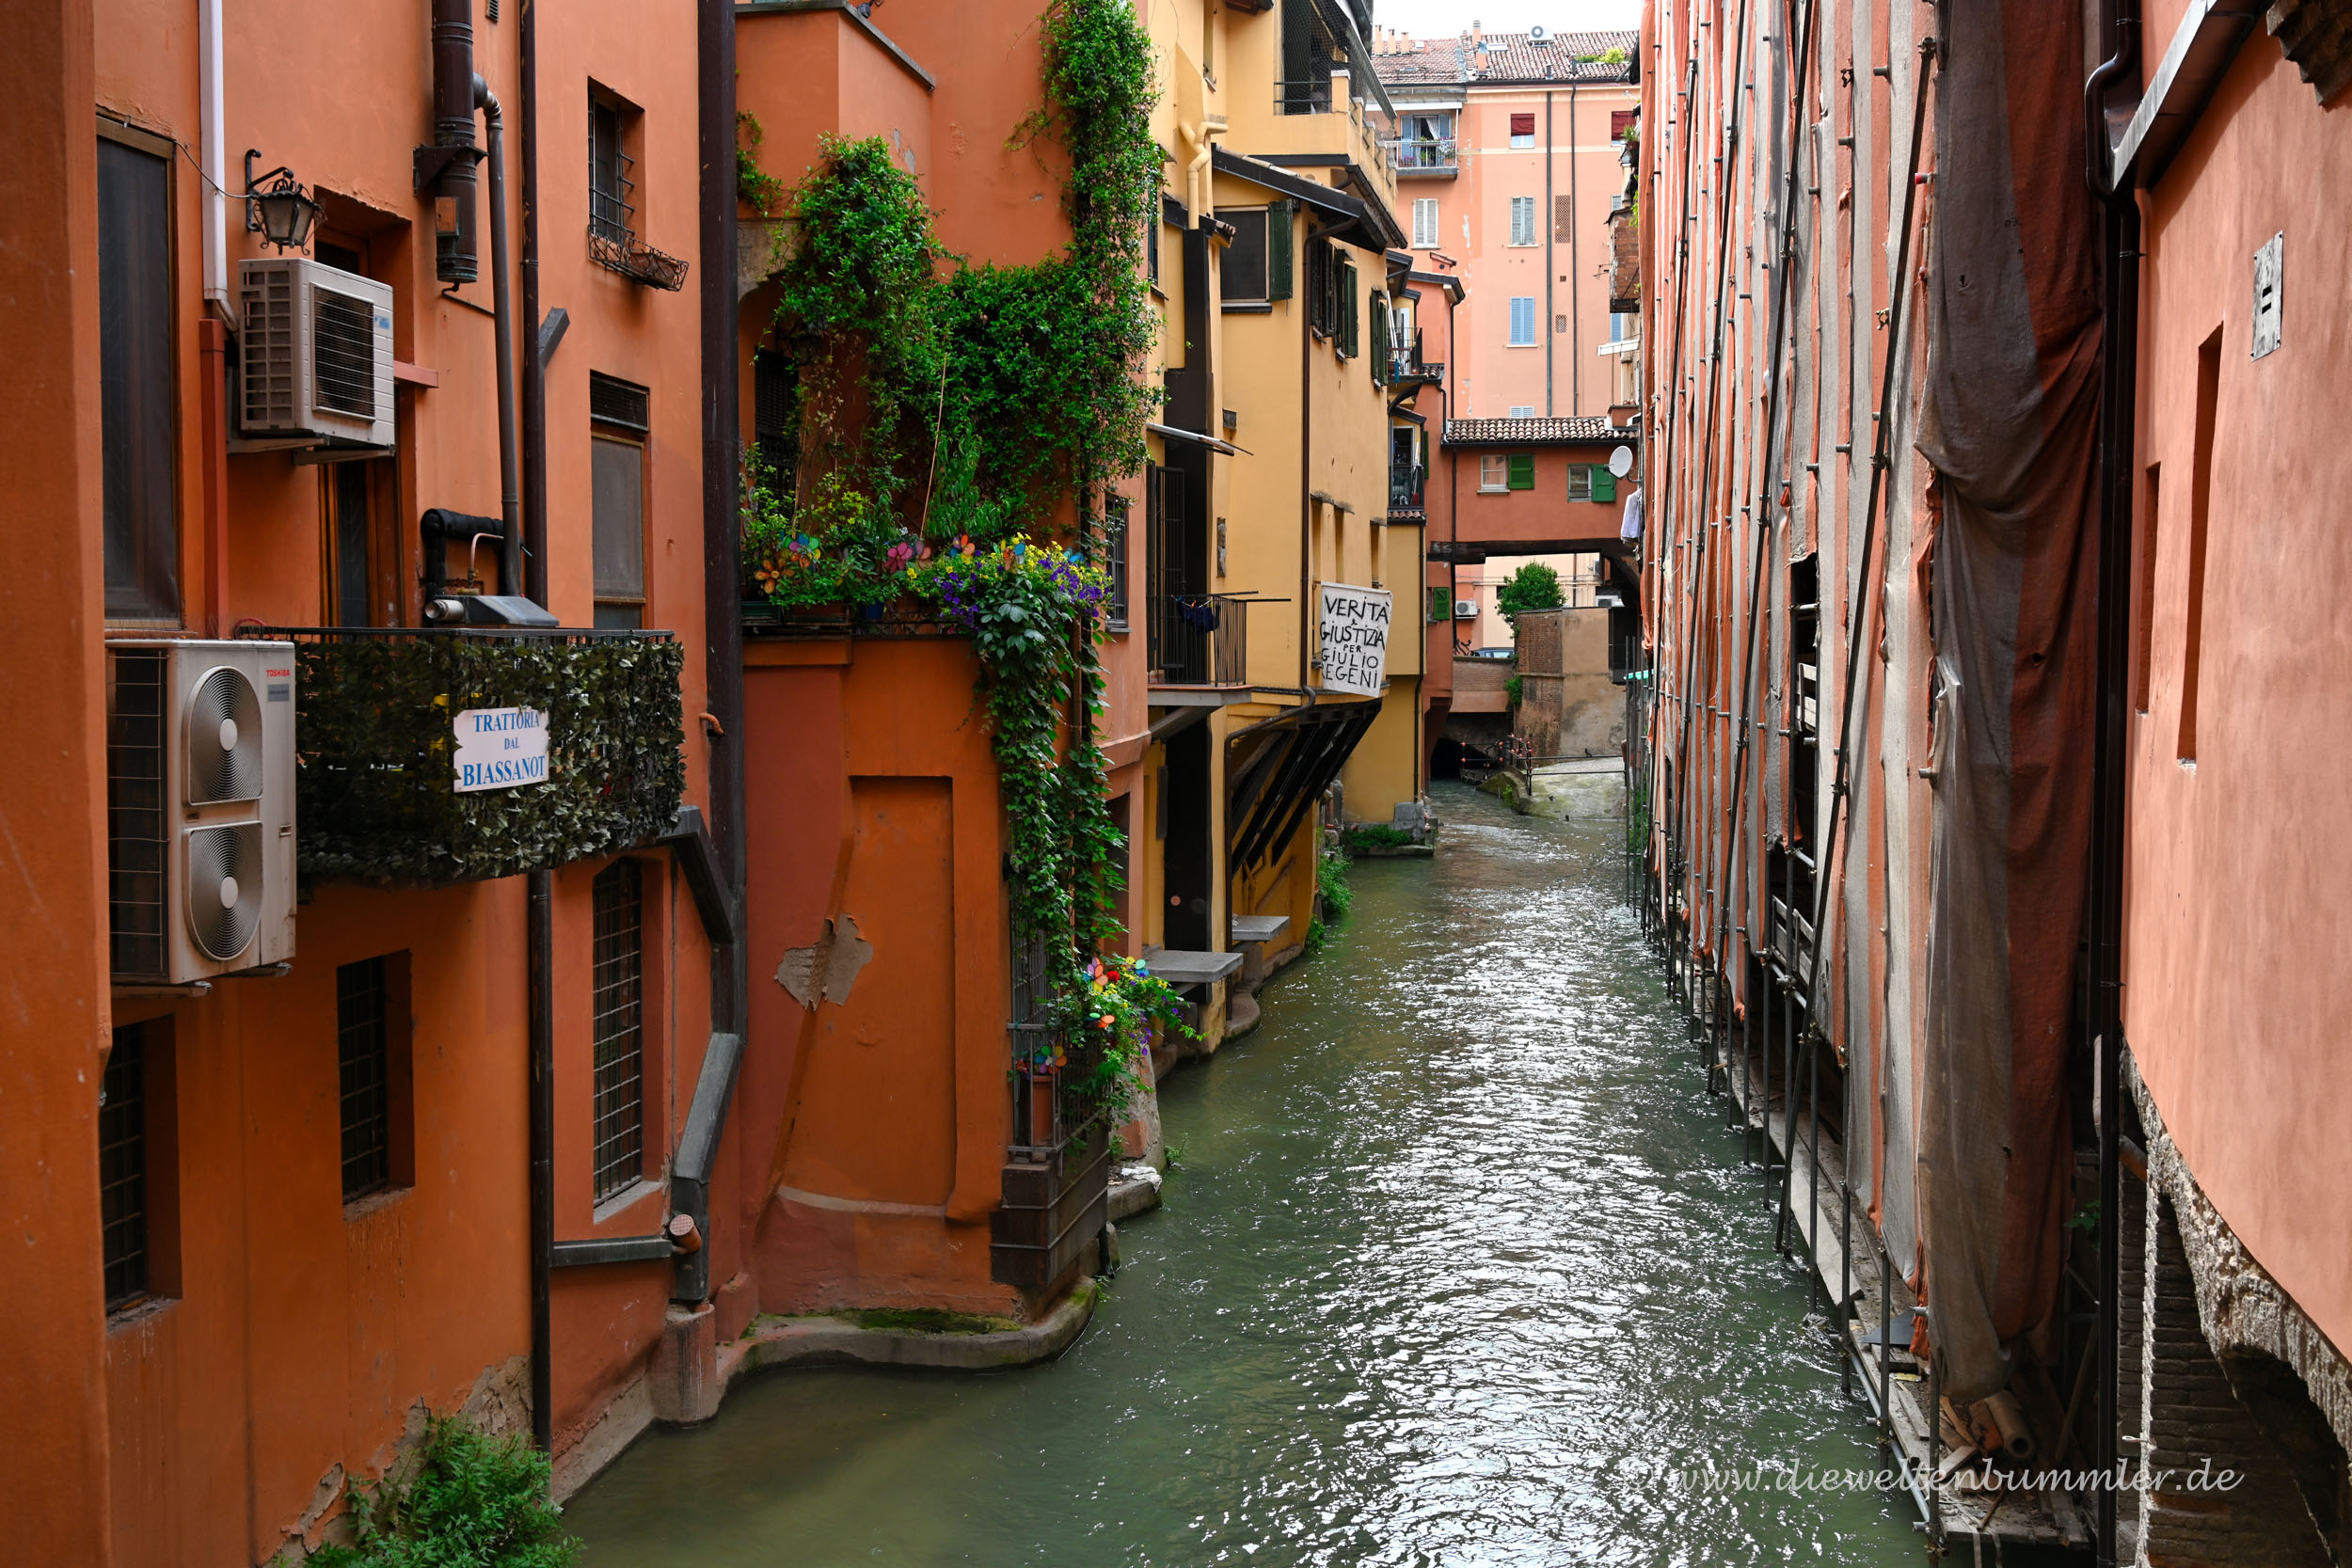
<point>1466,610</point>
<point>315,356</point>
<point>1538,34</point>
<point>200,807</point>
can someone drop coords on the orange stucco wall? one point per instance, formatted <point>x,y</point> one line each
<point>2232,973</point>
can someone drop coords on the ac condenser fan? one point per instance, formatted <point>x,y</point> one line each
<point>224,888</point>
<point>224,739</point>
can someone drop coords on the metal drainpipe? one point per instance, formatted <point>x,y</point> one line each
<point>502,310</point>
<point>1305,471</point>
<point>2103,983</point>
<point>1552,238</point>
<point>527,556</point>
<point>723,572</point>
<point>1576,279</point>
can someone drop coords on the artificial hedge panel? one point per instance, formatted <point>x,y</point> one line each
<point>375,797</point>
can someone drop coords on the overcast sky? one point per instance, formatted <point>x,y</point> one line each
<point>1441,18</point>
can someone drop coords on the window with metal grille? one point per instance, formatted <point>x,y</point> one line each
<point>617,1026</point>
<point>364,1051</point>
<point>123,1167</point>
<point>1425,223</point>
<point>1524,322</point>
<point>610,213</point>
<point>616,457</point>
<point>1115,517</point>
<point>1522,220</point>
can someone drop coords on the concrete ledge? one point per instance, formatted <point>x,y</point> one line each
<point>1241,1015</point>
<point>1135,1191</point>
<point>777,1341</point>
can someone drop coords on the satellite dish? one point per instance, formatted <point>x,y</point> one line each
<point>1621,462</point>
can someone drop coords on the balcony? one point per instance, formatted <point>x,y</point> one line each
<point>1406,368</point>
<point>379,796</point>
<point>1408,482</point>
<point>1199,641</point>
<point>1425,158</point>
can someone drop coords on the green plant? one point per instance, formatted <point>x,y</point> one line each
<point>1373,835</point>
<point>754,185</point>
<point>944,419</point>
<point>1511,690</point>
<point>375,761</point>
<point>1534,586</point>
<point>466,1500</point>
<point>1333,886</point>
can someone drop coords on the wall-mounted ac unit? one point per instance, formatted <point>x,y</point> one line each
<point>1466,610</point>
<point>200,807</point>
<point>315,356</point>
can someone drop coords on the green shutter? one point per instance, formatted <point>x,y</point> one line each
<point>1348,303</point>
<point>1379,339</point>
<point>1280,260</point>
<point>1522,465</point>
<point>1604,483</point>
<point>1441,607</point>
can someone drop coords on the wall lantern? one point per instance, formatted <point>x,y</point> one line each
<point>281,211</point>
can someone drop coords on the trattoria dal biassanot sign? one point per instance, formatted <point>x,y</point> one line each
<point>1355,639</point>
<point>500,748</point>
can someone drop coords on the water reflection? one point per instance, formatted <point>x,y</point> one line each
<point>1458,1268</point>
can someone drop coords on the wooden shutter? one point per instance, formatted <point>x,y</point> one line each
<point>1281,252</point>
<point>1379,339</point>
<point>1348,307</point>
<point>1604,483</point>
<point>1523,125</point>
<point>1522,470</point>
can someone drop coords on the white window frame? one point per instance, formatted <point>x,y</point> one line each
<point>1522,310</point>
<point>1522,220</point>
<point>1426,223</point>
<point>1494,473</point>
<point>1579,481</point>
<point>1522,140</point>
<point>1525,411</point>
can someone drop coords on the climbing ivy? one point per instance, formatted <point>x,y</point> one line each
<point>948,421</point>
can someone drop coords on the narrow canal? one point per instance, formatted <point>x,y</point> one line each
<point>1457,1266</point>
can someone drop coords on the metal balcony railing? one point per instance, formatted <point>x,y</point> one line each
<point>380,790</point>
<point>1405,364</point>
<point>1426,155</point>
<point>1408,482</point>
<point>1199,639</point>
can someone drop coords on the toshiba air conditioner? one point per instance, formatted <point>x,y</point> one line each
<point>314,358</point>
<point>200,807</point>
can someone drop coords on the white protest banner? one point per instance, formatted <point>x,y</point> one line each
<point>1355,639</point>
<point>500,747</point>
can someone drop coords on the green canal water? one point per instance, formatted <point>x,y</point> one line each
<point>1457,1266</point>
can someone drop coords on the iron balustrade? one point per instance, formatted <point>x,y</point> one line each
<point>1199,639</point>
<point>1407,483</point>
<point>1426,155</point>
<point>1405,364</point>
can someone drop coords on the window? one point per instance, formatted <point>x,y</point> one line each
<point>1425,223</point>
<point>371,1055</point>
<point>612,215</point>
<point>1494,473</point>
<point>1522,410</point>
<point>1242,275</point>
<point>775,429</point>
<point>1522,220</point>
<point>1427,141</point>
<point>344,489</point>
<point>1524,322</point>
<point>137,409</point>
<point>617,1026</point>
<point>620,416</point>
<point>1623,326</point>
<point>1579,481</point>
<point>1322,289</point>
<point>1349,321</point>
<point>1151,226</point>
<point>1116,511</point>
<point>138,1167</point>
<point>1524,130</point>
<point>1522,470</point>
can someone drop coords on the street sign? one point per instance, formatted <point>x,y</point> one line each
<point>1355,639</point>
<point>500,748</point>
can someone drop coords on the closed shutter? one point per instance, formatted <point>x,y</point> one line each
<point>1379,339</point>
<point>1348,308</point>
<point>1425,223</point>
<point>1281,249</point>
<point>1441,606</point>
<point>1604,484</point>
<point>1523,125</point>
<point>1622,120</point>
<point>1522,466</point>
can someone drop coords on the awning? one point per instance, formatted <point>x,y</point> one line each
<point>1283,766</point>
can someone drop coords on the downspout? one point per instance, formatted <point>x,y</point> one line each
<point>1306,473</point>
<point>722,629</point>
<point>1552,237</point>
<point>1576,279</point>
<point>503,309</point>
<point>212,331</point>
<point>2102,981</point>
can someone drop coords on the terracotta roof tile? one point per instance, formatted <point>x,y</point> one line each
<point>1526,432</point>
<point>1509,58</point>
